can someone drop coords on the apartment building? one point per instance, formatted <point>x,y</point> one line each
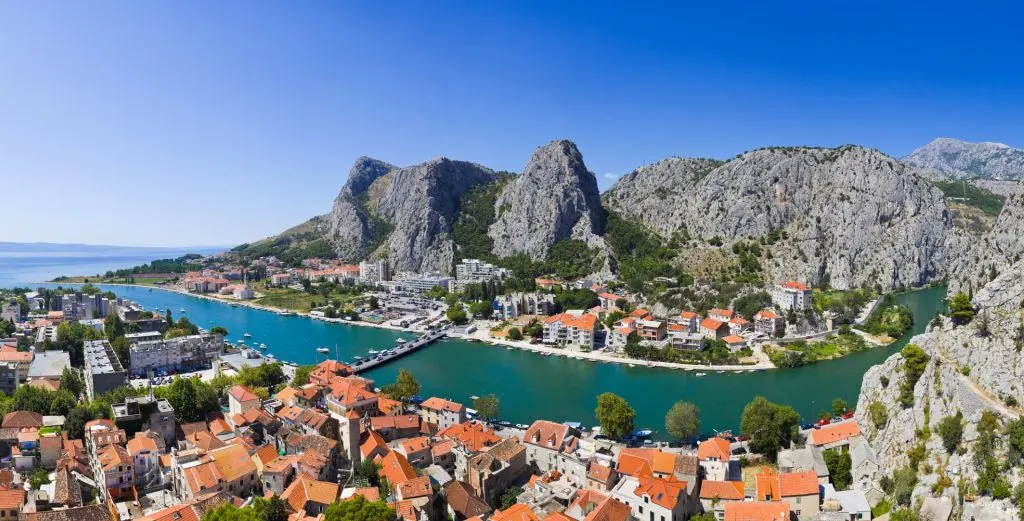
<point>792,295</point>
<point>572,329</point>
<point>183,353</point>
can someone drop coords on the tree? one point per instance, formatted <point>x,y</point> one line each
<point>509,497</point>
<point>369,471</point>
<point>276,509</point>
<point>374,302</point>
<point>113,327</point>
<point>358,508</point>
<point>951,429</point>
<point>904,480</point>
<point>915,360</point>
<point>404,388</point>
<point>71,381</point>
<point>33,399</point>
<point>515,334</point>
<point>38,478</point>
<point>683,420</point>
<point>219,330</point>
<point>481,308</point>
<point>840,407</point>
<point>302,375</point>
<point>457,314</point>
<point>769,426</point>
<point>62,403</point>
<point>615,415</point>
<point>487,406</point>
<point>706,516</point>
<point>961,311</point>
<point>879,416</point>
<point>122,349</point>
<point>840,467</point>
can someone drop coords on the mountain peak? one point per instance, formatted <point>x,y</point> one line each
<point>962,159</point>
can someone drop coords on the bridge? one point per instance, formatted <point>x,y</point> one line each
<point>399,351</point>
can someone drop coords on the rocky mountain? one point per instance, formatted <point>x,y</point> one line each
<point>961,159</point>
<point>853,215</point>
<point>555,198</point>
<point>985,258</point>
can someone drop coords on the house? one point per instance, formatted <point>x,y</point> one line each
<point>471,435</point>
<point>601,475</point>
<point>714,457</point>
<point>416,450</point>
<point>835,435</point>
<point>552,446</point>
<point>721,315</point>
<point>792,295</point>
<point>573,329</point>
<point>768,323</point>
<point>442,413</point>
<point>145,461</point>
<point>327,370</point>
<point>463,503</point>
<point>516,512</point>
<point>309,496</point>
<point>351,394</point>
<point>864,463</point>
<point>50,447</point>
<point>738,325</point>
<point>714,329</point>
<point>680,337</point>
<point>11,502</point>
<point>608,301</point>
<point>799,489</point>
<point>660,499</point>
<point>808,458</point>
<point>236,470</point>
<point>734,343</point>
<point>756,511</point>
<point>714,495</point>
<point>497,468</point>
<point>241,399</point>
<point>620,332</point>
<point>689,320</point>
<point>652,330</point>
<point>396,427</point>
<point>277,473</point>
<point>117,468</point>
<point>281,279</point>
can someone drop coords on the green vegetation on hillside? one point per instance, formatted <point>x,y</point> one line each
<point>845,305</point>
<point>300,242</point>
<point>890,319</point>
<point>476,215</point>
<point>801,353</point>
<point>976,197</point>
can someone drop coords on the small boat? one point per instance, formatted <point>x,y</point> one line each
<point>241,340</point>
<point>270,356</point>
<point>234,305</point>
<point>642,433</point>
<point>400,341</point>
<point>631,365</point>
<point>701,374</point>
<point>358,358</point>
<point>263,346</point>
<point>522,426</point>
<point>373,351</point>
<point>247,335</point>
<point>719,372</point>
<point>474,397</point>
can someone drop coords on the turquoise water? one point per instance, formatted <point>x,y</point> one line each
<point>556,388</point>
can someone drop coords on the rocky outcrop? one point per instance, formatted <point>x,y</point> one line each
<point>349,225</point>
<point>660,190</point>
<point>853,215</point>
<point>555,198</point>
<point>961,159</point>
<point>421,203</point>
<point>983,259</point>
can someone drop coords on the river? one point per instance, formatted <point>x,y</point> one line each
<point>556,388</point>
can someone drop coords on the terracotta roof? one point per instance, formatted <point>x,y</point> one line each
<point>415,487</point>
<point>658,461</point>
<point>584,321</point>
<point>370,493</point>
<point>662,491</point>
<point>464,501</point>
<point>112,456</point>
<point>440,404</point>
<point>714,448</point>
<point>688,315</point>
<point>414,444</point>
<point>350,390</point>
<point>712,324</point>
<point>97,512</point>
<point>305,489</point>
<point>470,434</point>
<point>599,471</point>
<point>835,432</point>
<point>757,511</point>
<point>12,499</point>
<point>405,421</point>
<point>516,512</point>
<point>218,426</point>
<point>727,490</point>
<point>286,395</point>
<point>441,448</point>
<point>546,434</point>
<point>639,313</point>
<point>266,454</point>
<point>792,284</point>
<point>396,468</point>
<point>373,442</point>
<point>206,441</point>
<point>386,405</point>
<point>233,462</point>
<point>183,512</point>
<point>733,339</point>
<point>66,490</point>
<point>203,476</point>
<point>21,357</point>
<point>776,486</point>
<point>141,443</point>
<point>609,510</point>
<point>22,420</point>
<point>242,393</point>
<point>764,314</point>
<point>405,510</point>
<point>45,383</point>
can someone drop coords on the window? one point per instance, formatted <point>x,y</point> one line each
<point>647,499</point>
<point>641,509</point>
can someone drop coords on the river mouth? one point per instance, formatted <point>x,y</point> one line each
<point>531,386</point>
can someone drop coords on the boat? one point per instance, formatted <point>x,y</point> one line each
<point>270,356</point>
<point>247,335</point>
<point>474,397</point>
<point>642,433</point>
<point>720,372</point>
<point>400,341</point>
<point>263,346</point>
<point>469,412</point>
<point>701,374</point>
<point>241,340</point>
<point>234,305</point>
<point>522,426</point>
<point>285,313</point>
<point>358,358</point>
<point>373,351</point>
<point>322,350</point>
<point>182,310</point>
<point>631,365</point>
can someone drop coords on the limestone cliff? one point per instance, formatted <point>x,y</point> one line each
<point>960,159</point>
<point>994,253</point>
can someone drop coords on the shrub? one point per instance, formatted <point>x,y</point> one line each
<point>914,362</point>
<point>879,416</point>
<point>951,429</point>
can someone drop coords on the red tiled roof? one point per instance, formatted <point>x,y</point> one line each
<point>792,284</point>
<point>757,511</point>
<point>712,324</point>
<point>472,435</point>
<point>662,491</point>
<point>415,487</point>
<point>242,393</point>
<point>726,490</point>
<point>546,433</point>
<point>835,432</point>
<point>396,468</point>
<point>440,404</point>
<point>516,512</point>
<point>764,314</point>
<point>713,448</point>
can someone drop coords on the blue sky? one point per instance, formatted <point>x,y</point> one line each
<point>185,123</point>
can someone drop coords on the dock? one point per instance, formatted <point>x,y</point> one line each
<point>399,351</point>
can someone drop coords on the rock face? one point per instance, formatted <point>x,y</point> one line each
<point>994,253</point>
<point>852,214</point>
<point>660,189</point>
<point>555,198</point>
<point>348,224</point>
<point>961,159</point>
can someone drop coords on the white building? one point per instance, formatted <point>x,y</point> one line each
<point>417,283</point>
<point>470,271</point>
<point>513,305</point>
<point>574,329</point>
<point>442,413</point>
<point>650,498</point>
<point>11,311</point>
<point>792,295</point>
<point>185,352</point>
<point>553,446</point>
<point>374,272</point>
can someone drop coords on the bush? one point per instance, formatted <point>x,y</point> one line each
<point>961,311</point>
<point>840,467</point>
<point>879,416</point>
<point>951,429</point>
<point>903,482</point>
<point>914,362</point>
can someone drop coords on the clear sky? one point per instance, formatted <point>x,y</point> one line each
<point>188,123</point>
